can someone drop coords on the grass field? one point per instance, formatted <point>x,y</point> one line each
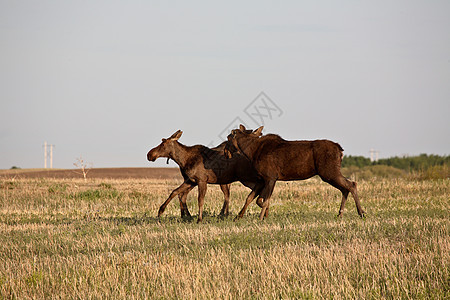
<point>66,238</point>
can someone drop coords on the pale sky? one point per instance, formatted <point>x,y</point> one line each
<point>108,79</point>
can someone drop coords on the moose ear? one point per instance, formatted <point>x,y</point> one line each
<point>176,135</point>
<point>179,133</point>
<point>258,132</point>
<point>241,127</point>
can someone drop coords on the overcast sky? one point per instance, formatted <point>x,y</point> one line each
<point>108,79</point>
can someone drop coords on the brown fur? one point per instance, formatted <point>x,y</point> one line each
<point>201,165</point>
<point>277,159</point>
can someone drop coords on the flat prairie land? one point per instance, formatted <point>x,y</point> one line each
<point>96,173</point>
<point>100,239</point>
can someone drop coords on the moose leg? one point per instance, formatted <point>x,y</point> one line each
<point>249,199</point>
<point>344,198</point>
<point>259,201</point>
<point>181,189</point>
<point>346,186</point>
<point>226,193</point>
<point>201,199</point>
<point>266,194</point>
<point>354,192</point>
<point>182,206</point>
<point>182,197</point>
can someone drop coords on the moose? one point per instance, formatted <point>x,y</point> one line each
<point>277,159</point>
<point>185,191</point>
<point>201,165</point>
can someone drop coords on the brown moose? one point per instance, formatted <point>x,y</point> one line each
<point>277,159</point>
<point>201,165</point>
<point>182,195</point>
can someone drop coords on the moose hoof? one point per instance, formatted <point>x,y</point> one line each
<point>223,214</point>
<point>160,211</point>
<point>185,214</point>
<point>237,218</point>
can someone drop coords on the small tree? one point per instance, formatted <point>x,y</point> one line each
<point>84,167</point>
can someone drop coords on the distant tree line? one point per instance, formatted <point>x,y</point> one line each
<point>408,163</point>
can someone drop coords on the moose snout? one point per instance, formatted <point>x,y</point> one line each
<point>151,156</point>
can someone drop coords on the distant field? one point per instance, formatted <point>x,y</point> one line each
<point>98,173</point>
<point>67,238</point>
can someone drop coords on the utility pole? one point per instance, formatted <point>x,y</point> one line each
<point>48,151</point>
<point>45,155</point>
<point>374,155</point>
<point>51,156</point>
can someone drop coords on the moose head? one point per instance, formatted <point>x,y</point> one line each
<point>232,146</point>
<point>166,148</point>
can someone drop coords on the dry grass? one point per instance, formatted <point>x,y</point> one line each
<point>100,239</point>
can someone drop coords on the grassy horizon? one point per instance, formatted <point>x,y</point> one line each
<point>66,238</point>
